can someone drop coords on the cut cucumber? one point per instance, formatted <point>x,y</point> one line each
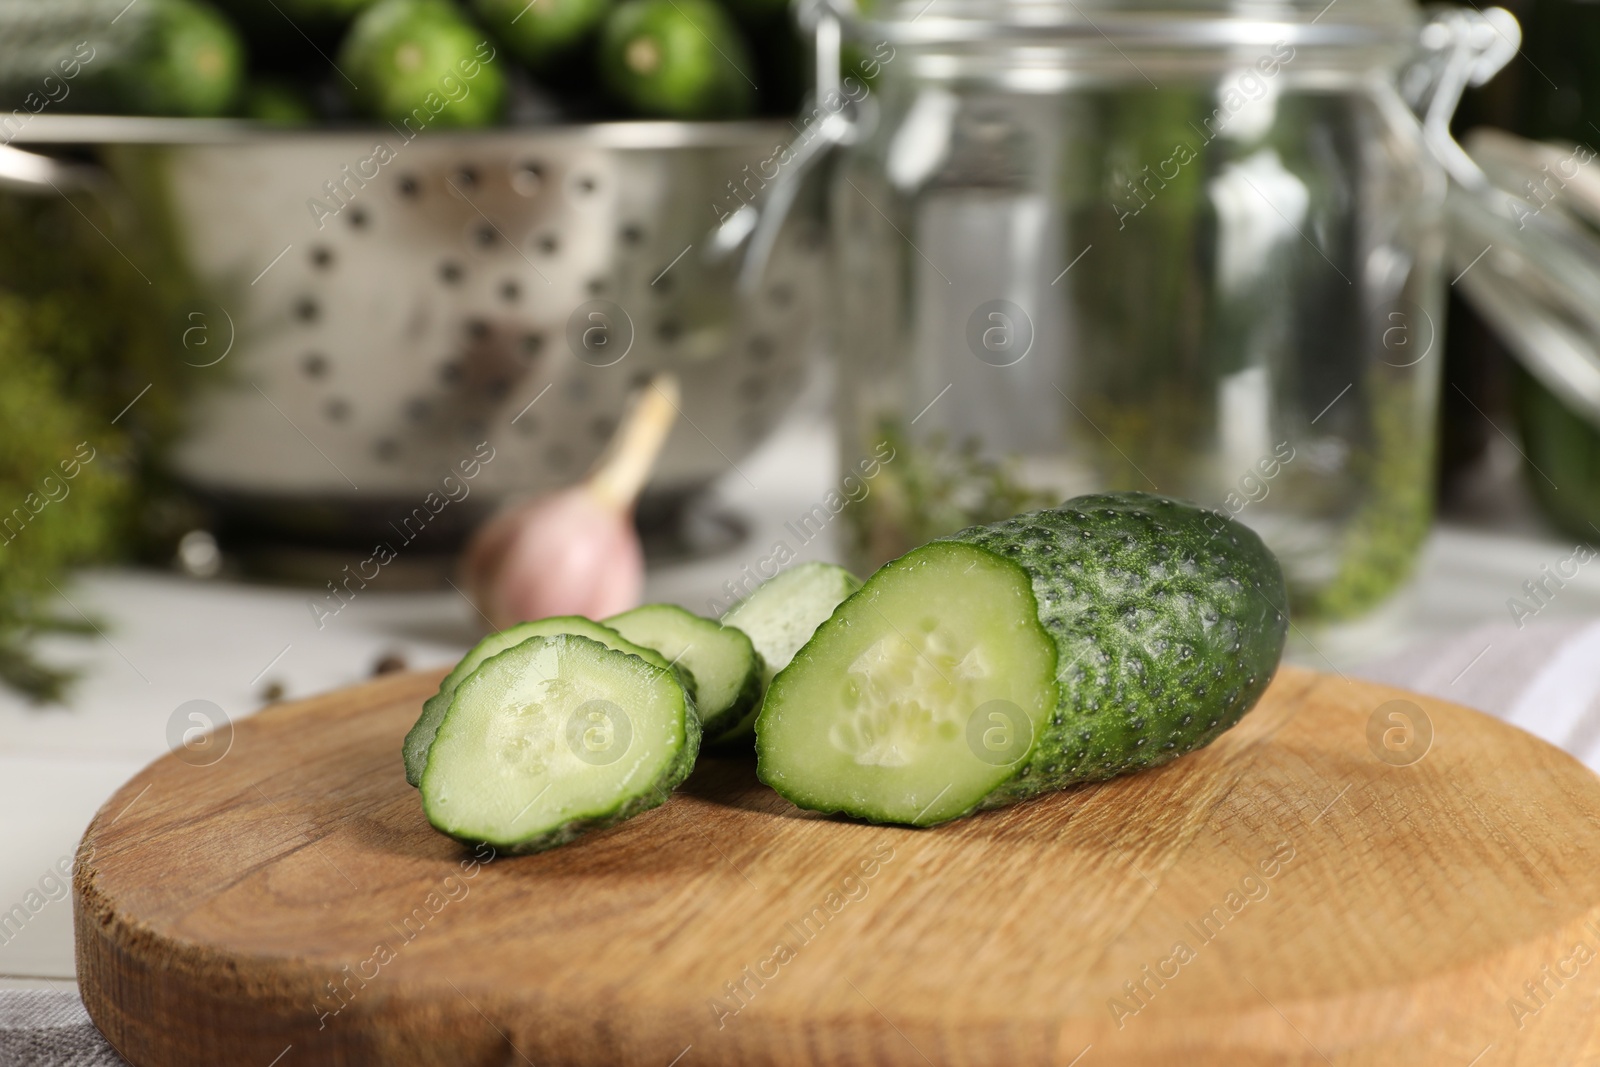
<point>415,748</point>
<point>723,668</point>
<point>1069,645</point>
<point>556,737</point>
<point>781,615</point>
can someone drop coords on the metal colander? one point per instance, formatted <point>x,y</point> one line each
<point>384,306</point>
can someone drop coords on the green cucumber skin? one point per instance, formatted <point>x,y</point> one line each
<point>1168,622</point>
<point>448,44</point>
<point>702,60</point>
<point>94,56</point>
<point>653,796</point>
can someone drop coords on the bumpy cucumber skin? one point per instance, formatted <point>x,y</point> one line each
<point>414,749</point>
<point>1169,621</point>
<point>653,796</point>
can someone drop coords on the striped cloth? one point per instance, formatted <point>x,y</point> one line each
<point>1544,678</point>
<point>41,1028</point>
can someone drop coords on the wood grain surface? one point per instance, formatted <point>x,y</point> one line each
<point>1305,891</point>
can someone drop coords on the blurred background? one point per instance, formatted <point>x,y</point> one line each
<point>296,296</point>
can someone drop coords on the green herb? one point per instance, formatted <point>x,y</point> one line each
<point>931,489</point>
<point>82,333</point>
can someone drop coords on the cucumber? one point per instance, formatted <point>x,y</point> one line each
<point>723,668</point>
<point>415,747</point>
<point>1067,645</point>
<point>556,737</point>
<point>540,34</point>
<point>680,59</point>
<point>278,103</point>
<point>422,64</point>
<point>780,616</point>
<point>158,57</point>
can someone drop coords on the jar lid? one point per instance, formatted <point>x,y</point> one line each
<point>1179,24</point>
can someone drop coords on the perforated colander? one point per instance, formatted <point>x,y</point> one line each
<point>386,306</point>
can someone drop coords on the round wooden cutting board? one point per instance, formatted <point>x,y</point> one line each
<point>1354,875</point>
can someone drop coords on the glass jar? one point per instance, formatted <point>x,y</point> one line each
<point>1192,247</point>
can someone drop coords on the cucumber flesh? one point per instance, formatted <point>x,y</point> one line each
<point>721,663</point>
<point>415,747</point>
<point>1063,646</point>
<point>876,715</point>
<point>553,738</point>
<point>781,615</point>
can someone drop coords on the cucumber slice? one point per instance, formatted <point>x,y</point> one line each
<point>723,665</point>
<point>1069,645</point>
<point>781,615</point>
<point>415,747</point>
<point>556,737</point>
